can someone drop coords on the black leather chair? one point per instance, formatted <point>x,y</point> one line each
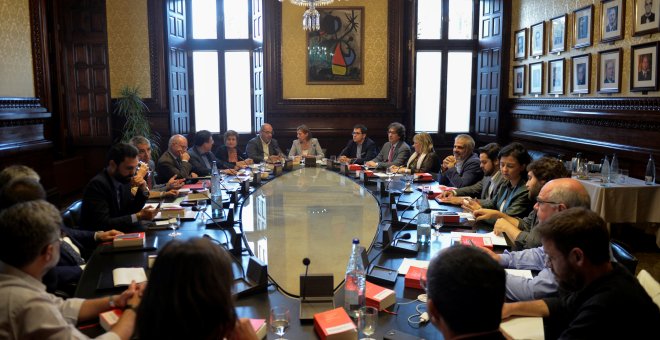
<point>71,215</point>
<point>623,256</point>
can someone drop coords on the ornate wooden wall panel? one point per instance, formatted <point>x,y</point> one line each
<point>629,127</point>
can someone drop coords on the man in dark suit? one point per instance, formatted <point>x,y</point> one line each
<point>462,168</point>
<point>395,152</point>
<point>359,148</point>
<point>175,161</point>
<point>264,147</point>
<point>645,65</point>
<point>201,157</point>
<point>156,191</point>
<point>487,187</point>
<point>648,16</point>
<point>108,201</point>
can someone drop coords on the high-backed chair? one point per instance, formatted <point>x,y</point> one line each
<point>623,256</point>
<point>71,215</point>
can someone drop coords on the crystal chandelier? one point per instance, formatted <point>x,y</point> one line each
<point>311,20</point>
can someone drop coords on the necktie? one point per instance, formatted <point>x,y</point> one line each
<point>391,154</point>
<point>68,249</point>
<point>150,180</point>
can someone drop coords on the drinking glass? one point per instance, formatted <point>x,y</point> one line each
<point>302,161</point>
<point>279,320</point>
<point>438,222</point>
<point>422,282</point>
<point>201,207</point>
<point>175,223</point>
<point>368,320</point>
<point>389,173</point>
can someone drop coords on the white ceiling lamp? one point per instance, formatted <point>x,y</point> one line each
<point>311,20</point>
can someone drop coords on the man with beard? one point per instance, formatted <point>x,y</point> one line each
<point>487,187</point>
<point>521,230</point>
<point>263,147</point>
<point>599,299</point>
<point>556,196</point>
<point>462,168</point>
<point>107,201</point>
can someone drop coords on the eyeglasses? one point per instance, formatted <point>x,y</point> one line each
<point>540,201</point>
<point>356,133</point>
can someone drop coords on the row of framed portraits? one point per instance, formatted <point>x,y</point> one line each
<point>643,72</point>
<point>612,27</point>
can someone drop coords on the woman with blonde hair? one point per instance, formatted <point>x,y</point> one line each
<point>424,159</point>
<point>305,145</point>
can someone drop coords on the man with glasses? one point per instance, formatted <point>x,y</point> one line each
<point>264,147</point>
<point>395,152</point>
<point>359,148</point>
<point>556,196</point>
<point>648,16</point>
<point>599,299</point>
<point>175,161</point>
<point>29,247</point>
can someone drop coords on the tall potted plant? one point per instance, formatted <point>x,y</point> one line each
<point>131,107</point>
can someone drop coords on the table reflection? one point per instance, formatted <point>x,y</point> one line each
<point>310,213</point>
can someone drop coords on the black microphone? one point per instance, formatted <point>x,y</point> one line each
<point>395,238</point>
<point>411,203</point>
<point>306,263</point>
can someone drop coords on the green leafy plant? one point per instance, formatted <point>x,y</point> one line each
<point>131,107</point>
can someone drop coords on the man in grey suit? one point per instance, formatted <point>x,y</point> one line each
<point>462,167</point>
<point>175,161</point>
<point>488,186</point>
<point>395,152</point>
<point>264,147</point>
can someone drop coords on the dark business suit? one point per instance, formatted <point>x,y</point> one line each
<point>255,150</point>
<point>100,209</point>
<point>431,163</point>
<point>648,18</point>
<point>222,154</point>
<point>197,162</point>
<point>168,166</point>
<point>470,173</point>
<point>399,157</point>
<point>644,75</point>
<point>369,151</point>
<point>67,272</point>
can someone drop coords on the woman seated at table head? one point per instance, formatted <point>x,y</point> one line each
<point>424,159</point>
<point>228,153</point>
<point>305,145</point>
<point>189,295</point>
<point>512,197</point>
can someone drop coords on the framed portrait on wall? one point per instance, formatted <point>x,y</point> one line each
<point>609,71</point>
<point>519,80</point>
<point>336,58</point>
<point>537,36</point>
<point>646,17</point>
<point>536,78</point>
<point>613,16</point>
<point>583,26</point>
<point>556,76</point>
<point>520,44</point>
<point>644,67</point>
<point>557,34</point>
<point>580,73</point>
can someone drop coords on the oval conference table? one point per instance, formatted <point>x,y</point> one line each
<point>309,213</point>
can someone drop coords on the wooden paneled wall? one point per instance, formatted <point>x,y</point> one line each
<point>629,127</point>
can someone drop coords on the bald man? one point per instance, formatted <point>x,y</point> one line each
<point>174,162</point>
<point>264,147</point>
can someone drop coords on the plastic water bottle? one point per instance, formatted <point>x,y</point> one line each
<point>614,169</point>
<point>649,177</point>
<point>423,221</point>
<point>605,171</point>
<point>355,283</point>
<point>216,192</point>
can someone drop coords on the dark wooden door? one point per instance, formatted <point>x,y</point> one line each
<point>178,67</point>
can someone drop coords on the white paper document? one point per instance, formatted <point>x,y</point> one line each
<point>406,263</point>
<point>526,273</point>
<point>526,327</point>
<point>124,276</point>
